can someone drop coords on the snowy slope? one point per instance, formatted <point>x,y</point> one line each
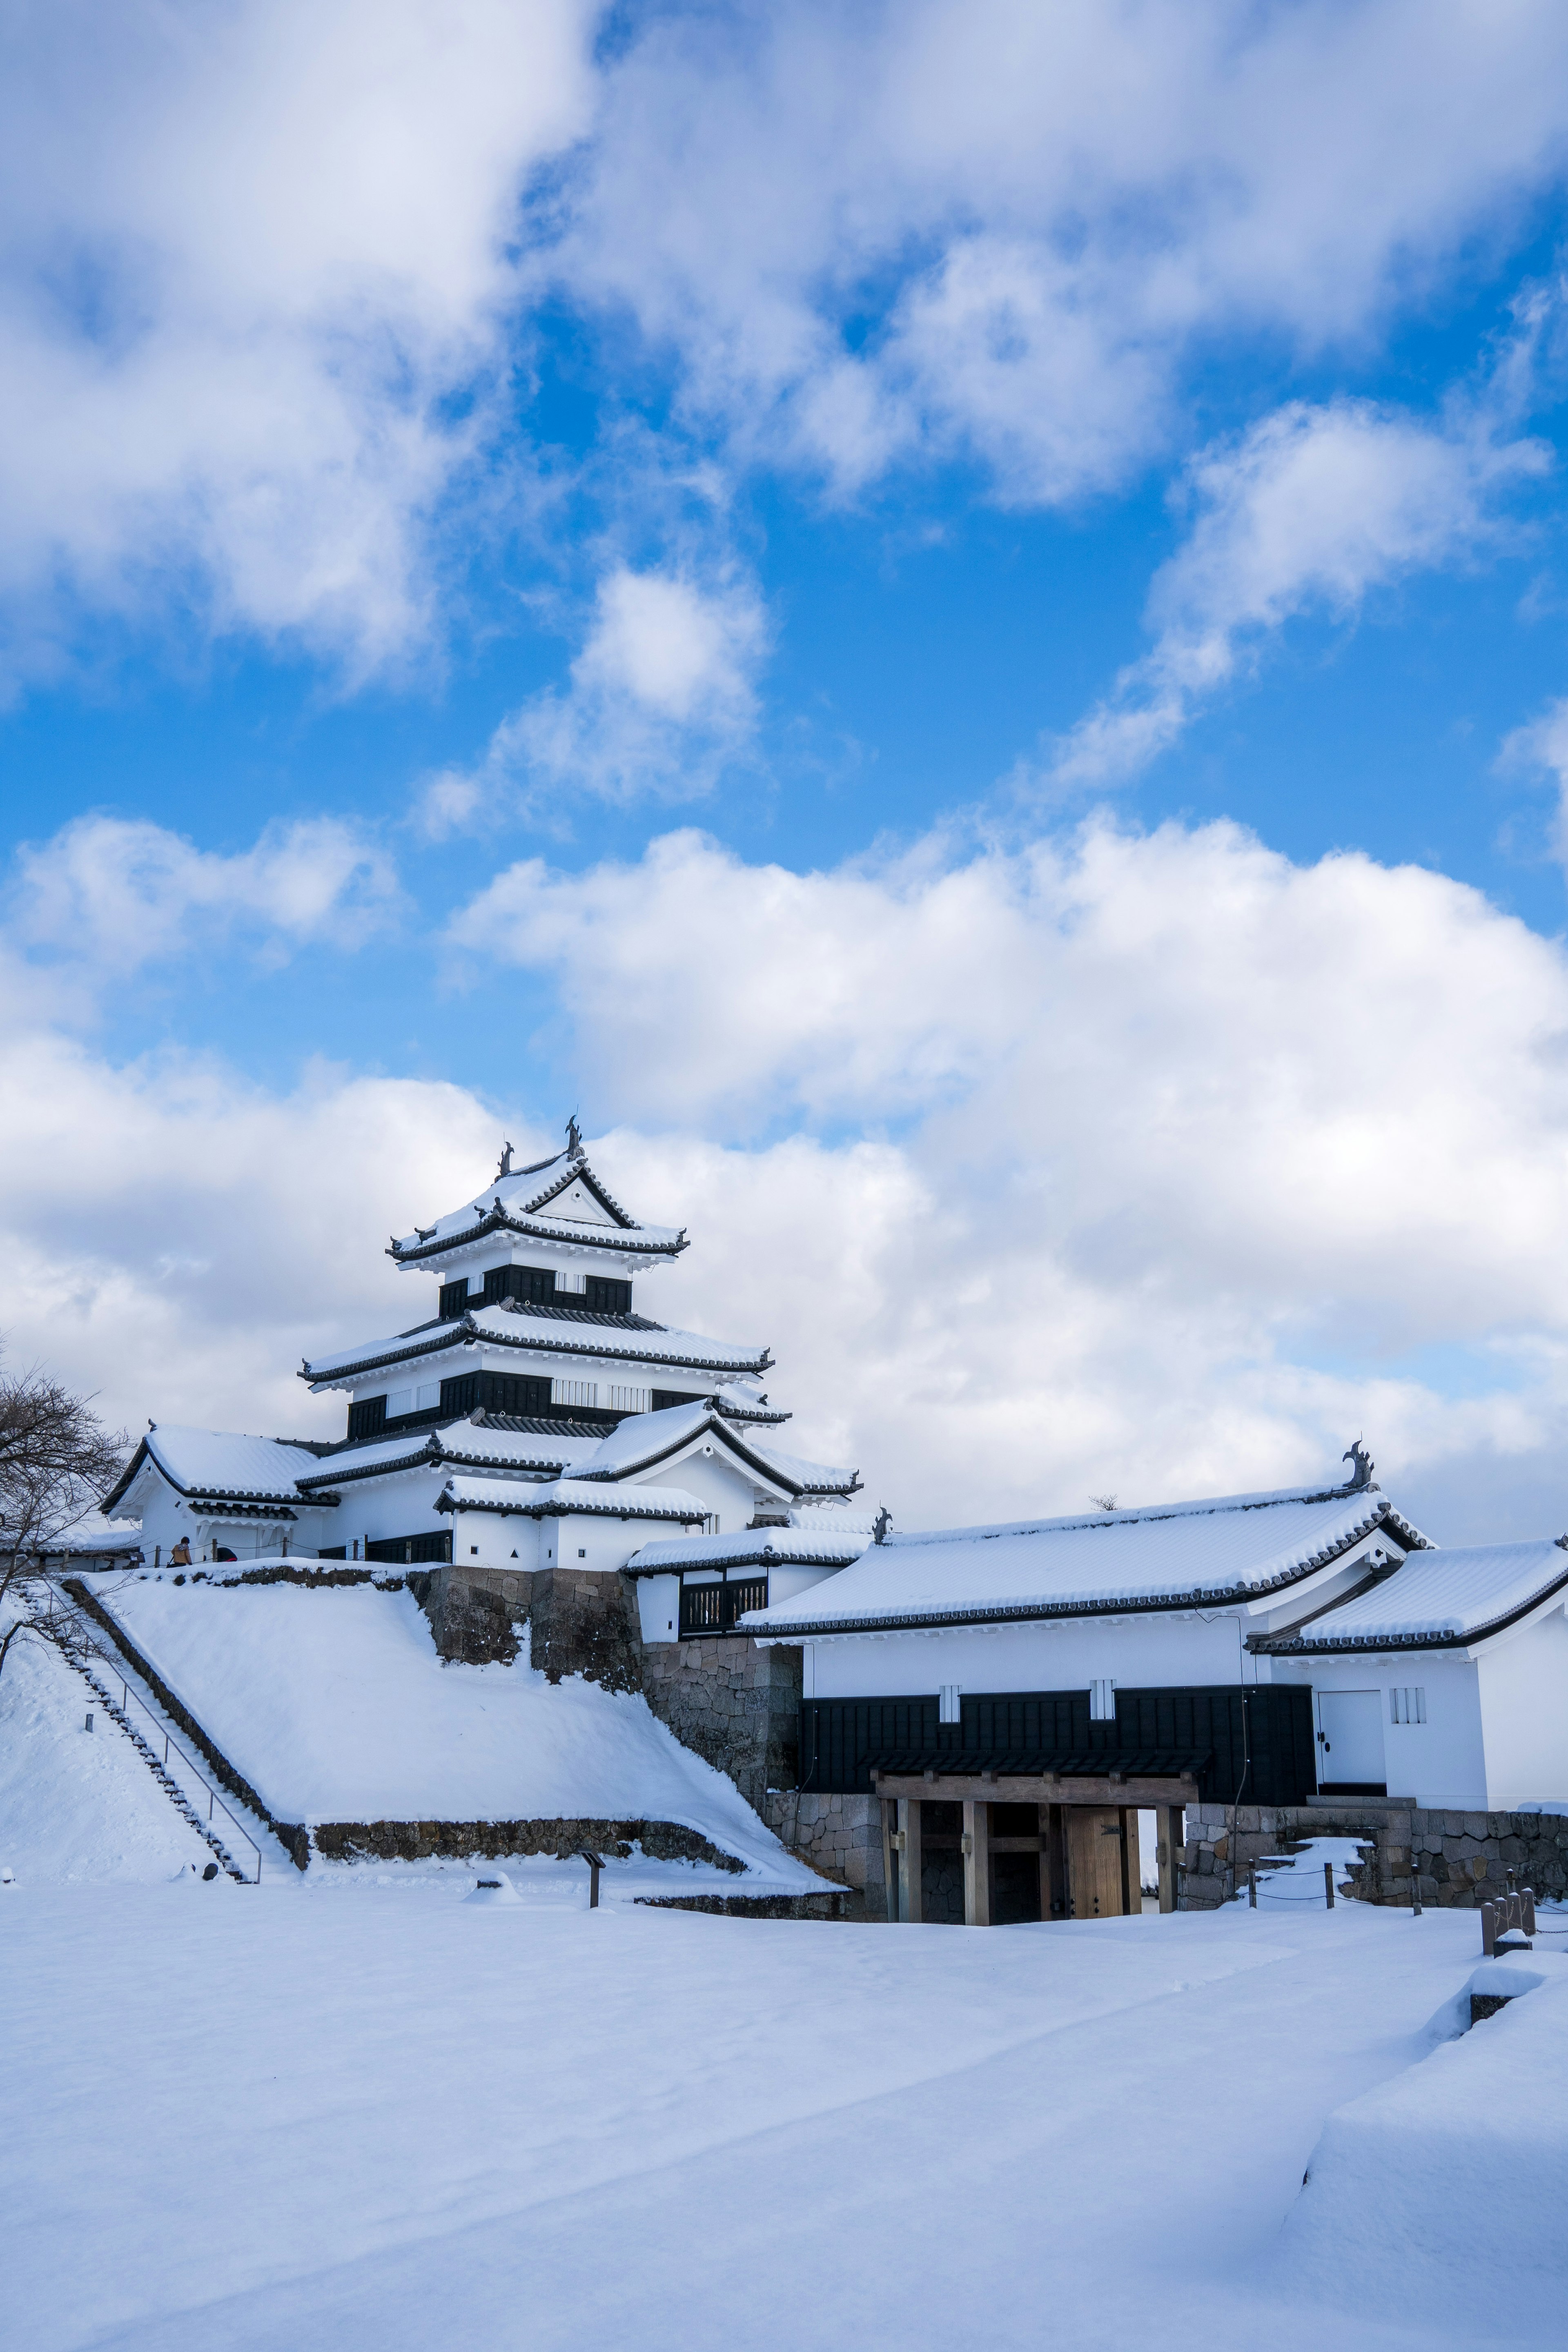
<point>336,1706</point>
<point>76,1804</point>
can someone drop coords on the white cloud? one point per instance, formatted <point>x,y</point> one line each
<point>660,697</point>
<point>1200,1152</point>
<point>251,257</point>
<point>116,894</point>
<point>1003,231</point>
<point>1154,1164</point>
<point>1542,744</point>
<point>1312,510</point>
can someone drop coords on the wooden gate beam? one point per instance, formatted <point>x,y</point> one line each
<point>1037,1788</point>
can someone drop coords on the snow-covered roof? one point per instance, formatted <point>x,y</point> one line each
<point>516,1326</point>
<point>95,1535</point>
<point>1438,1599</point>
<point>557,1200</point>
<point>644,1439</point>
<point>223,1465</point>
<point>1219,1550</point>
<point>789,1546</point>
<point>739,1402</point>
<point>564,1497</point>
<point>464,1442</point>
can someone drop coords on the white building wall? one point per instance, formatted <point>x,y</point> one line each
<point>1524,1685</point>
<point>658,1606</point>
<point>714,1479</point>
<point>1441,1763</point>
<point>1132,1652</point>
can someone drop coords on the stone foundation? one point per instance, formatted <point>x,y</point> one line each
<point>840,1838</point>
<point>455,1841</point>
<point>830,1904</point>
<point>1458,1860</point>
<point>737,1705</point>
<point>473,1612</point>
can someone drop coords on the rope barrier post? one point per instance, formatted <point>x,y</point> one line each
<point>1488,1930</point>
<point>1329,1884</point>
<point>1529,1906</point>
<point>1251,1887</point>
<point>1414,1890</point>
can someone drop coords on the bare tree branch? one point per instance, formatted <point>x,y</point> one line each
<point>56,1462</point>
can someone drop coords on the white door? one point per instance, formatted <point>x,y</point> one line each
<point>1350,1739</point>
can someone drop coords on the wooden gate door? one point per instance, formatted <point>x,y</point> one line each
<point>1094,1862</point>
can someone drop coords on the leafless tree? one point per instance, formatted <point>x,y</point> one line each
<point>1103,1502</point>
<point>57,1460</point>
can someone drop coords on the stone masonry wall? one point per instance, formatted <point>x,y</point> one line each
<point>473,1612</point>
<point>736,1705</point>
<point>583,1623</point>
<point>838,1836</point>
<point>1459,1860</point>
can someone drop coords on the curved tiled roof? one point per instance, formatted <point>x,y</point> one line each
<point>564,1497</point>
<point>1213,1552</point>
<point>652,1348</point>
<point>515,1203</point>
<point>1437,1600</point>
<point>221,1464</point>
<point>752,1547</point>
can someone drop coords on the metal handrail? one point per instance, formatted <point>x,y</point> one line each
<point>127,1695</point>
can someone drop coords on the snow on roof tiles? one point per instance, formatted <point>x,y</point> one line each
<point>461,1442</point>
<point>221,1462</point>
<point>570,1497</point>
<point>767,1547</point>
<point>519,1203</point>
<point>645,1438</point>
<point>1438,1599</point>
<point>1220,1548</point>
<point>514,1328</point>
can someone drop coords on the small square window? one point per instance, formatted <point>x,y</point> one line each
<point>582,1552</point>
<point>473,1552</point>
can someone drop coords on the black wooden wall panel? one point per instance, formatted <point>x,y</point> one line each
<point>1257,1742</point>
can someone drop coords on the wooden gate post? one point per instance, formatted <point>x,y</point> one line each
<point>890,1858</point>
<point>1132,1865</point>
<point>977,1865</point>
<point>909,1904</point>
<point>1169,1825</point>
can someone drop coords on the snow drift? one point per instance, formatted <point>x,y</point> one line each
<point>336,1706</point>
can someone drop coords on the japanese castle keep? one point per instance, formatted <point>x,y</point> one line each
<point>954,1725</point>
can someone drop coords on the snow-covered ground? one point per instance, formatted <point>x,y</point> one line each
<point>77,1805</point>
<point>355,2110</point>
<point>336,1706</point>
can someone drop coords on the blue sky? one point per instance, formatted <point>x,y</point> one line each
<point>452,454</point>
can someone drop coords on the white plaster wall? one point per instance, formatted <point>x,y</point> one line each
<point>784,1582</point>
<point>1524,1684</point>
<point>166,1516</point>
<point>377,1508</point>
<point>713,1479</point>
<point>494,1540</point>
<point>658,1606</point>
<point>1134,1651</point>
<point>1440,1763</point>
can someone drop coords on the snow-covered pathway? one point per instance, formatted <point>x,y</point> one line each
<point>348,2113</point>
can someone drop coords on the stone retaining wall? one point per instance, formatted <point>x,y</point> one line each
<point>840,1837</point>
<point>737,1705</point>
<point>1459,1860</point>
<point>455,1841</point>
<point>830,1904</point>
